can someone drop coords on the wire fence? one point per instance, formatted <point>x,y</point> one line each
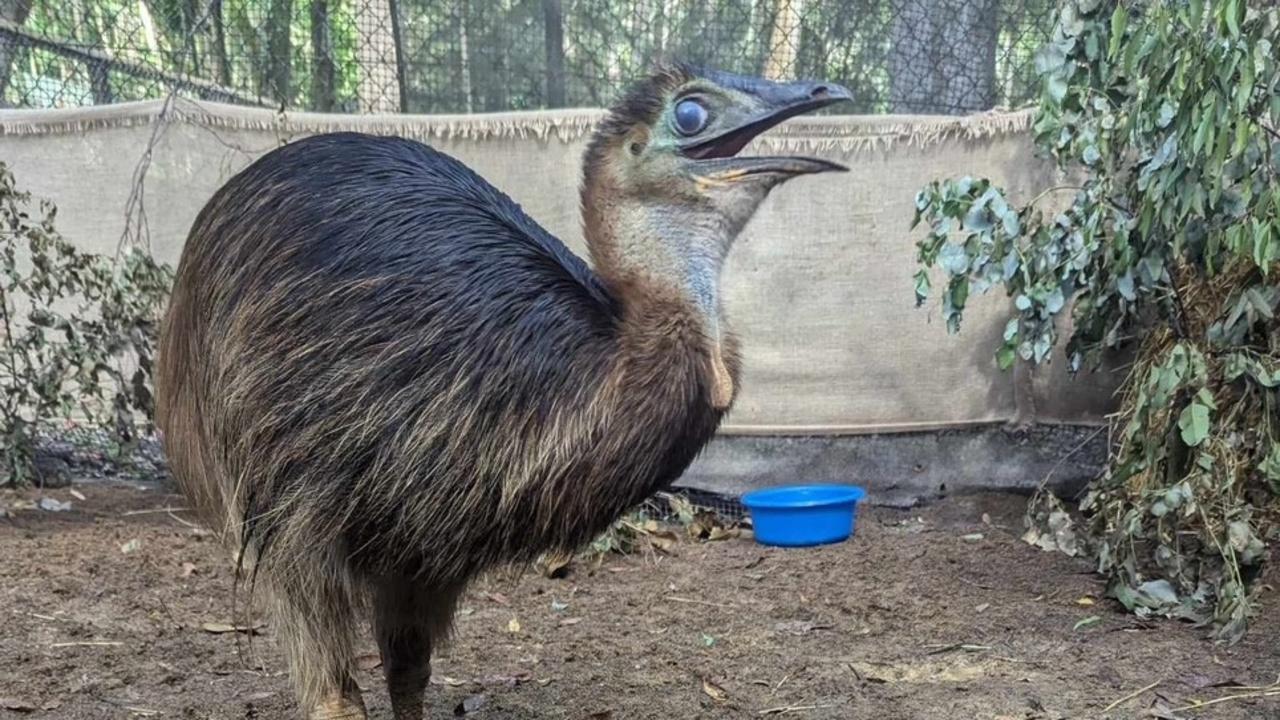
<point>460,56</point>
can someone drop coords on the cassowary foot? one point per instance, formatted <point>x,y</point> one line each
<point>340,707</point>
<point>407,705</point>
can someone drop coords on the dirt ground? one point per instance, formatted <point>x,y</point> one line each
<point>112,609</point>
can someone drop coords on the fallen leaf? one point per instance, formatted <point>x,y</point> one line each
<point>973,537</point>
<point>464,612</point>
<point>470,705</point>
<point>188,569</point>
<point>513,626</point>
<point>368,661</point>
<point>218,628</point>
<point>1087,622</point>
<point>986,519</point>
<point>983,607</point>
<point>52,505</point>
<point>447,681</point>
<point>1085,601</point>
<point>543,682</point>
<point>76,494</point>
<point>720,533</point>
<point>133,545</point>
<point>558,606</point>
<point>18,705</point>
<point>663,540</point>
<point>707,640</point>
<point>714,691</point>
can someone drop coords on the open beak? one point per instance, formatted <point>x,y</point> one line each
<point>774,103</point>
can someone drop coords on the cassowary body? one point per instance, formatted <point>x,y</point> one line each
<point>379,377</point>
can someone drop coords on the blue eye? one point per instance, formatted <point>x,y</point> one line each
<point>691,117</point>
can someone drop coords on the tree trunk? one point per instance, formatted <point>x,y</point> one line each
<point>220,43</point>
<point>189,49</point>
<point>376,57</point>
<point>100,83</point>
<point>553,19</point>
<point>943,56</point>
<point>397,37</point>
<point>16,12</point>
<point>322,66</point>
<point>785,40</point>
<point>464,47</point>
<point>277,76</point>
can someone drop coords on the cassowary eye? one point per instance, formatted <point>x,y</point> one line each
<point>691,117</point>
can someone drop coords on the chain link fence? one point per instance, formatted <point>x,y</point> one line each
<point>460,56</point>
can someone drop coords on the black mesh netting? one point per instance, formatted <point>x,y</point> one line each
<point>431,56</point>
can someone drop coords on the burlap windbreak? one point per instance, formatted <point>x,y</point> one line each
<point>819,286</point>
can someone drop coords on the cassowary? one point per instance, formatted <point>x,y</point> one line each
<point>378,377</point>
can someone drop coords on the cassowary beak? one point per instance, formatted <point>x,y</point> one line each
<point>766,104</point>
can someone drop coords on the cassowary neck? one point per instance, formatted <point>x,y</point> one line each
<point>651,255</point>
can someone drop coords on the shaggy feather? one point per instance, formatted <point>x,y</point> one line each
<point>376,365</point>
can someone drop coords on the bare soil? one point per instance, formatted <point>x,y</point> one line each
<point>108,607</point>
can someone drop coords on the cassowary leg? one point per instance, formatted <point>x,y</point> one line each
<point>403,624</point>
<point>314,613</point>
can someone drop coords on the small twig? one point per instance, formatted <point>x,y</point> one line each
<point>1049,475</point>
<point>1130,696</point>
<point>777,687</point>
<point>154,511</point>
<point>1056,188</point>
<point>99,643</point>
<point>1243,688</point>
<point>673,598</point>
<point>188,523</point>
<point>939,649</point>
<point>788,709</point>
<point>1229,698</point>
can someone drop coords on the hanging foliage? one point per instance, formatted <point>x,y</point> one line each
<point>79,333</point>
<point>1168,115</point>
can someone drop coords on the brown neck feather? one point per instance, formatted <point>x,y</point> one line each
<point>664,269</point>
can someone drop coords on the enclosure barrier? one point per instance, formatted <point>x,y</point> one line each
<point>819,287</point>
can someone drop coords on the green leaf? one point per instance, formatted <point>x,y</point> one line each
<point>1086,623</point>
<point>1270,467</point>
<point>1231,12</point>
<point>922,287</point>
<point>1006,356</point>
<point>1194,424</point>
<point>1119,20</point>
<point>1056,87</point>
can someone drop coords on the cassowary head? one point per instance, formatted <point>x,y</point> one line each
<point>662,176</point>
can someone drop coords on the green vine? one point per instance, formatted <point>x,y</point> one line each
<point>1167,114</point>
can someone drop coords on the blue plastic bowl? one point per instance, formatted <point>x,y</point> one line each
<point>803,515</point>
